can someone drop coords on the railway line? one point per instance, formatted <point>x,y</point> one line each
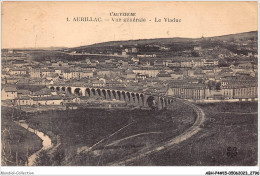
<point>195,128</point>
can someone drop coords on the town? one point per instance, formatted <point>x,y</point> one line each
<point>198,74</point>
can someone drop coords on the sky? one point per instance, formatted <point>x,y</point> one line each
<point>44,24</point>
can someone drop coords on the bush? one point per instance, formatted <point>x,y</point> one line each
<point>43,159</point>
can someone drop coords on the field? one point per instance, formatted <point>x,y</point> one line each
<point>99,137</point>
<point>16,141</point>
<point>228,137</point>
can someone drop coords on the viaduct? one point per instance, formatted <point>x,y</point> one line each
<point>140,99</point>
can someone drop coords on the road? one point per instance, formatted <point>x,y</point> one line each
<point>195,128</point>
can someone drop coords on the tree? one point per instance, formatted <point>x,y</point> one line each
<point>223,63</point>
<point>211,85</point>
<point>58,157</point>
<point>43,159</point>
<point>195,54</point>
<point>218,86</point>
<point>231,39</point>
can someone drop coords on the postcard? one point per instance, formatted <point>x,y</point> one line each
<point>129,84</point>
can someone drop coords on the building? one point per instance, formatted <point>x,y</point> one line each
<point>245,91</point>
<point>124,53</point>
<point>247,65</point>
<point>176,75</point>
<point>24,101</point>
<point>186,63</point>
<point>130,74</point>
<point>52,100</point>
<point>187,90</point>
<point>136,60</point>
<point>98,83</point>
<point>140,76</point>
<point>114,84</point>
<point>86,74</point>
<point>146,55</point>
<point>198,62</point>
<point>9,80</point>
<point>104,73</point>
<point>164,76</point>
<point>237,80</point>
<point>53,76</point>
<point>197,48</point>
<point>35,73</point>
<point>42,93</point>
<point>159,63</point>
<point>18,71</point>
<point>174,64</point>
<point>210,62</point>
<point>46,72</point>
<point>72,99</point>
<point>67,75</point>
<point>134,50</point>
<point>149,71</point>
<point>60,64</point>
<point>9,93</point>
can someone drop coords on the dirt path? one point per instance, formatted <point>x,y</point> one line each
<point>195,128</point>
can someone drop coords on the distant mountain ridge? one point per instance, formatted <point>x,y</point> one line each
<point>170,40</point>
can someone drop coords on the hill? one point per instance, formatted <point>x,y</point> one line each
<point>169,41</point>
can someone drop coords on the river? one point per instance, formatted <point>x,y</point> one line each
<point>46,142</point>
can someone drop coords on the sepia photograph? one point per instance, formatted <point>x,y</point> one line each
<point>129,83</point>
